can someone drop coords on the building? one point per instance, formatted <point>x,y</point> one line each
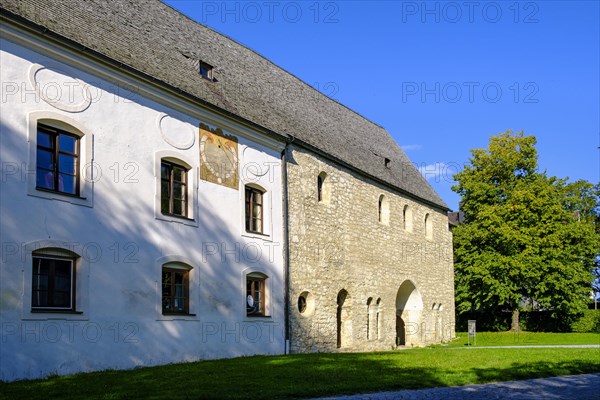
<point>170,195</point>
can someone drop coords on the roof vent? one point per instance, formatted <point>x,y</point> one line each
<point>387,162</point>
<point>206,70</point>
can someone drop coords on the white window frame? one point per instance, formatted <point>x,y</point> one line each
<point>185,264</point>
<point>86,167</point>
<point>192,187</point>
<point>267,233</point>
<point>55,249</point>
<point>258,273</point>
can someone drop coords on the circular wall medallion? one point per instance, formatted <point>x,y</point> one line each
<point>176,133</point>
<point>59,89</point>
<point>256,164</point>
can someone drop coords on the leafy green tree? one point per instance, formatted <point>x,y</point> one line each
<point>526,236</point>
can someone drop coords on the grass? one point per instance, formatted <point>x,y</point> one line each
<point>312,375</point>
<point>526,339</point>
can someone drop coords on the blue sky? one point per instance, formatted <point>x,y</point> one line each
<point>441,77</point>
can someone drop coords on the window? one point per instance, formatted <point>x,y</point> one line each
<point>301,304</point>
<point>175,291</point>
<point>428,227</point>
<point>407,218</point>
<point>383,210</point>
<point>206,70</point>
<point>369,310</point>
<point>255,295</point>
<point>53,284</point>
<point>323,189</point>
<point>320,182</point>
<point>254,209</point>
<point>57,160</point>
<point>173,189</point>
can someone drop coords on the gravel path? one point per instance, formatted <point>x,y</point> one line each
<point>571,387</point>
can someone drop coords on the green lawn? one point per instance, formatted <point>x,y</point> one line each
<point>301,376</point>
<point>526,339</point>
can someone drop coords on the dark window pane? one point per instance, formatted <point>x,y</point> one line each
<point>178,174</point>
<point>67,184</point>
<point>67,164</point>
<point>52,283</point>
<point>40,282</point>
<point>45,159</point>
<point>178,208</point>
<point>44,139</point>
<point>61,299</point>
<point>178,191</point>
<point>40,298</point>
<point>67,143</point>
<point>45,179</point>
<point>164,171</point>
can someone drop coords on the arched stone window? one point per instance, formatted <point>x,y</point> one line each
<point>383,207</point>
<point>428,227</point>
<point>378,319</point>
<point>407,218</point>
<point>344,323</point>
<point>323,188</point>
<point>369,317</point>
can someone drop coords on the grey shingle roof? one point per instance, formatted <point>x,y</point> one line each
<point>154,39</point>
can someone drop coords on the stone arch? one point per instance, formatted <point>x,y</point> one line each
<point>343,319</point>
<point>409,306</point>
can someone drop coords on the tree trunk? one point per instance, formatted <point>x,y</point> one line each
<point>515,321</point>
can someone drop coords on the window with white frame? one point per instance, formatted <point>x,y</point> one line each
<point>53,284</point>
<point>60,153</point>
<point>256,295</point>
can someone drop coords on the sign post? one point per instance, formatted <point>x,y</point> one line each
<point>472,333</point>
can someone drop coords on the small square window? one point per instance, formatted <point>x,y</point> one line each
<point>206,70</point>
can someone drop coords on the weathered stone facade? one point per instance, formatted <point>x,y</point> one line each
<point>358,267</point>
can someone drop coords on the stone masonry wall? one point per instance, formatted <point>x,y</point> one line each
<point>338,245</point>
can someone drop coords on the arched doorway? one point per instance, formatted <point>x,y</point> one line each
<point>409,306</point>
<point>344,327</point>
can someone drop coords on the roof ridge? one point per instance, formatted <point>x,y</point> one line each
<point>275,65</point>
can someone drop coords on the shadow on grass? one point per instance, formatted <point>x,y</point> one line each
<point>295,376</point>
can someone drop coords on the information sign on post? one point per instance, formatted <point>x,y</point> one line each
<point>472,333</point>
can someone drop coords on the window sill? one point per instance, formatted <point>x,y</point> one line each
<point>74,196</point>
<point>59,196</point>
<point>175,218</point>
<point>54,311</point>
<point>178,315</point>
<point>257,235</point>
